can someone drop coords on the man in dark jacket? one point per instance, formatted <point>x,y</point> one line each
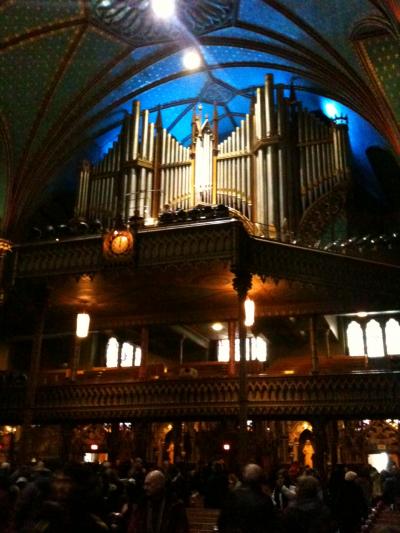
<point>159,512</point>
<point>248,508</point>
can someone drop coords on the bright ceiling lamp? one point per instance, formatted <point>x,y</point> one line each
<point>249,312</point>
<point>217,326</point>
<point>163,8</point>
<point>191,59</point>
<point>82,325</point>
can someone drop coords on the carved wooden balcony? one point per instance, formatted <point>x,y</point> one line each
<point>369,394</point>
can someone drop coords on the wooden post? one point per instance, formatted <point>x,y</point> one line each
<point>242,283</point>
<point>75,357</point>
<point>313,346</point>
<point>144,344</point>
<point>24,452</point>
<point>232,339</point>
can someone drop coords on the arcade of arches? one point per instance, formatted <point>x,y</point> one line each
<point>271,443</point>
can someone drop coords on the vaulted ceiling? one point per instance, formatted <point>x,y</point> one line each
<point>70,69</point>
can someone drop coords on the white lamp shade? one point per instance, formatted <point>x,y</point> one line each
<point>82,325</point>
<point>249,312</point>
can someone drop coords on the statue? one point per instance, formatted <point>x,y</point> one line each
<point>308,452</point>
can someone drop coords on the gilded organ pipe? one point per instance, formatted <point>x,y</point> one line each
<point>276,163</point>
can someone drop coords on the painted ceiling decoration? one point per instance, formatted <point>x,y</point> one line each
<point>70,69</point>
<point>134,19</point>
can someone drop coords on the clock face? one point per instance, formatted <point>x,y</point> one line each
<point>119,244</point>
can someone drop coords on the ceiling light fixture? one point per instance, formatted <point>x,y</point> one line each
<point>82,325</point>
<point>249,311</point>
<point>217,326</point>
<point>164,9</point>
<point>191,59</point>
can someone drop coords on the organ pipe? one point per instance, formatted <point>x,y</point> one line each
<point>277,162</point>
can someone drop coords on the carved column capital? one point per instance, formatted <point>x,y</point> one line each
<point>242,283</point>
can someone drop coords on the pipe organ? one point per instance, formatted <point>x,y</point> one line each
<point>271,169</point>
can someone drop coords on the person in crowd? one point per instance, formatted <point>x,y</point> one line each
<point>73,504</point>
<point>31,499</point>
<point>160,511</point>
<point>376,485</point>
<point>307,513</point>
<point>177,482</point>
<point>216,486</point>
<point>284,490</point>
<point>363,479</point>
<point>391,486</point>
<point>248,509</point>
<point>351,508</point>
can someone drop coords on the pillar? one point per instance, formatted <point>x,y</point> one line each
<point>32,383</point>
<point>144,345</point>
<point>232,339</point>
<point>142,434</point>
<point>313,345</point>
<point>113,443</point>
<point>320,448</point>
<point>76,355</point>
<point>5,247</point>
<point>241,284</point>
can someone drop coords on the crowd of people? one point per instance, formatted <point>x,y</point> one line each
<point>138,498</point>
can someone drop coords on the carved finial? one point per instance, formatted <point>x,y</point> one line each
<point>159,120</point>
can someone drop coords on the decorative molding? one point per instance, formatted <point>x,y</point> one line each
<point>340,396</point>
<point>322,212</point>
<point>292,262</point>
<point>225,241</point>
<point>162,247</point>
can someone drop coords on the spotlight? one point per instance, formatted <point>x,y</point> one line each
<point>217,326</point>
<point>191,59</point>
<point>163,8</point>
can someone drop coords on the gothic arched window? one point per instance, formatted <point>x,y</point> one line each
<point>392,331</point>
<point>374,337</point>
<point>127,354</point>
<point>112,351</point>
<point>256,349</point>
<point>355,339</point>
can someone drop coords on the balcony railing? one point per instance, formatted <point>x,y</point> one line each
<point>368,394</point>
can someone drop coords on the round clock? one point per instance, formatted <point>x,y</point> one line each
<point>120,244</point>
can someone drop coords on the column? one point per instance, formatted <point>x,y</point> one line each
<point>144,344</point>
<point>142,433</point>
<point>76,355</point>
<point>313,345</point>
<point>241,284</point>
<point>232,338</point>
<point>113,443</point>
<point>5,247</point>
<point>320,448</point>
<point>32,383</point>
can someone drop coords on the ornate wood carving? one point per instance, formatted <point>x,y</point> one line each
<point>167,246</point>
<point>322,212</point>
<point>226,241</point>
<point>340,396</point>
<point>286,261</point>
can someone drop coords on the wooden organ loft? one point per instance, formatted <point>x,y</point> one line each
<point>271,172</point>
<point>271,169</point>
